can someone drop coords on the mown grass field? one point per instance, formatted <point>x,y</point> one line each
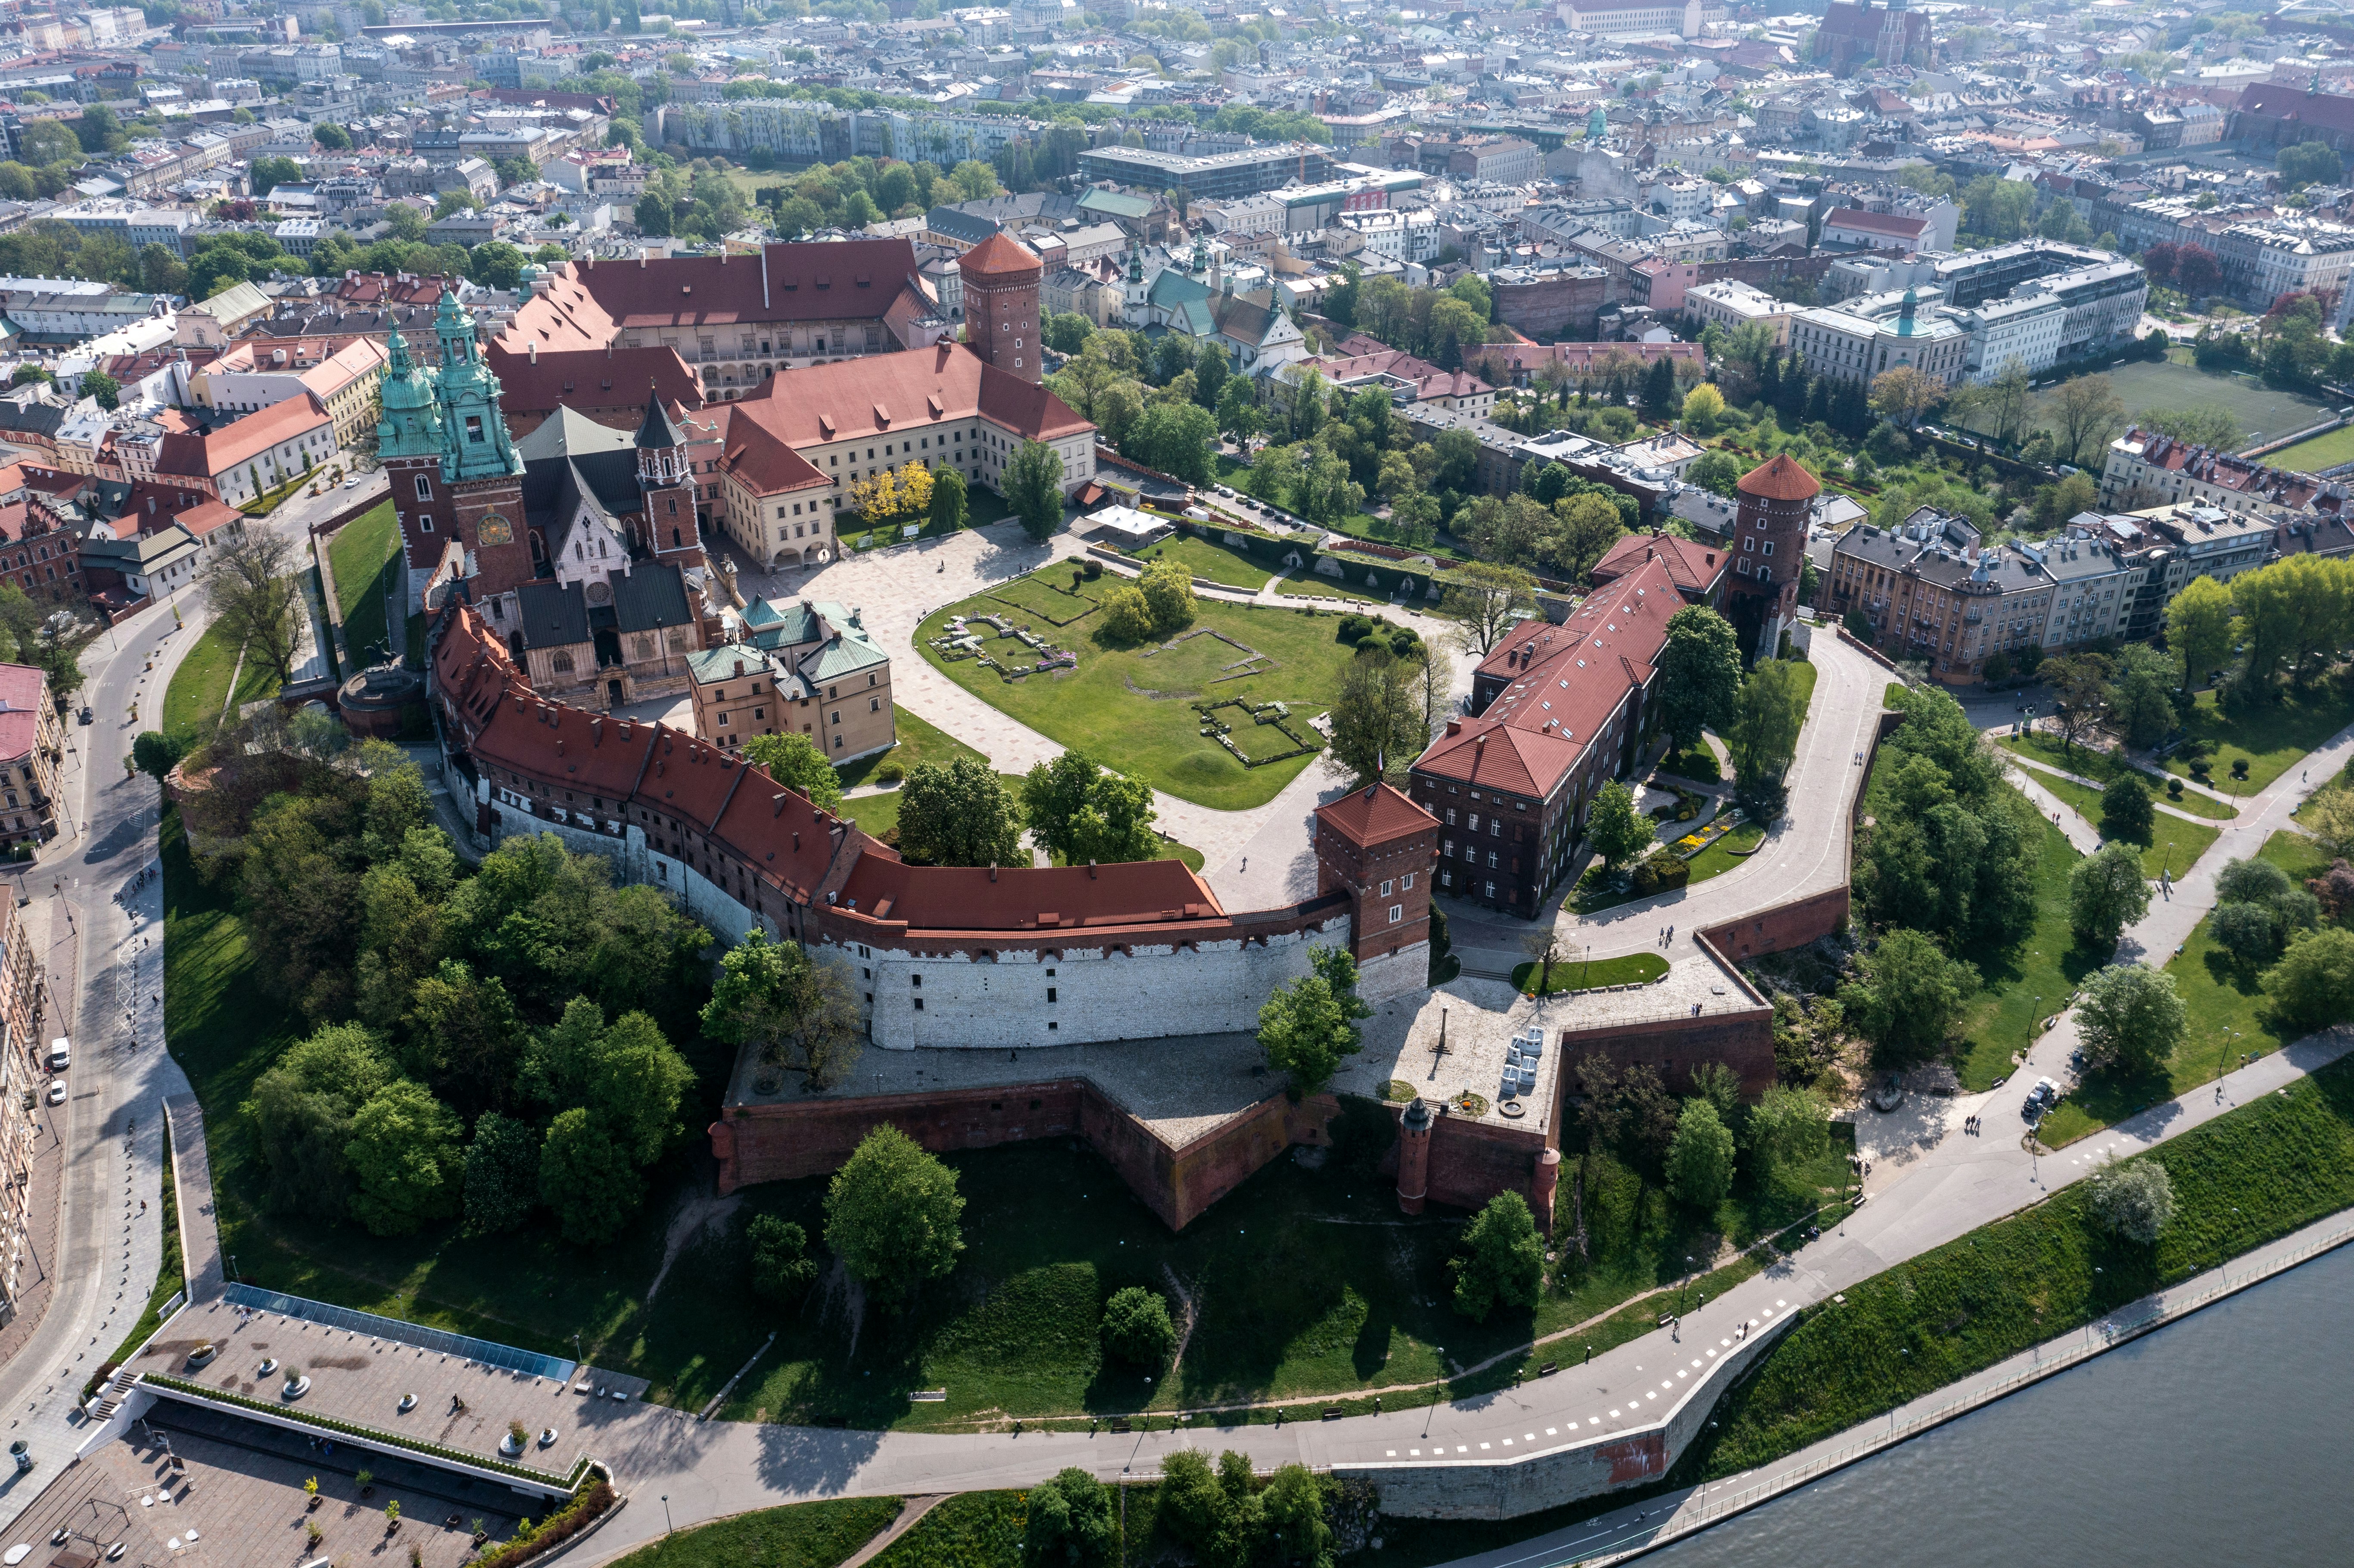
<point>2020,988</point>
<point>2251,1175</point>
<point>1100,709</point>
<point>2322,452</point>
<point>799,1535</point>
<point>920,741</point>
<point>364,556</point>
<point>2105,768</point>
<point>1218,563</point>
<point>199,691</point>
<point>2172,845</point>
<point>1579,974</point>
<point>1731,849</point>
<point>2271,738</point>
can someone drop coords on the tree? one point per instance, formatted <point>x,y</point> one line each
<point>2309,163</point>
<point>104,388</point>
<point>1908,997</point>
<point>405,1159</point>
<point>248,579</point>
<point>1787,1127</point>
<point>652,215</point>
<point>2080,694</point>
<point>1616,832</point>
<point>1136,1327</point>
<point>2129,1017</point>
<point>1069,1523</point>
<point>1699,673</point>
<point>494,264</point>
<point>1083,814</point>
<point>1066,332</point>
<point>949,505</point>
<point>2329,816</point>
<point>959,813</point>
<point>2126,812</point>
<point>1377,723</point>
<point>625,1073</point>
<point>2105,894</point>
<point>1502,1259</point>
<point>2135,1198</point>
<point>1126,617</point>
<point>1704,408</point>
<point>1487,600</point>
<point>1167,585</point>
<point>155,754</point>
<point>1764,735</point>
<point>795,762</point>
<point>1700,1161</point>
<point>331,136</point>
<point>502,1174</point>
<point>1291,1514</point>
<point>48,142</point>
<point>891,1215</point>
<point>1658,396</point>
<point>585,1180</point>
<point>2088,414</point>
<point>2141,701</point>
<point>782,1270</point>
<point>2199,627</point>
<point>1211,373</point>
<point>1432,675</point>
<point>1305,1027</point>
<point>301,1112</point>
<point>974,180</point>
<point>1033,486</point>
<point>2203,424</point>
<point>1903,395</point>
<point>797,1007</point>
<point>2313,985</point>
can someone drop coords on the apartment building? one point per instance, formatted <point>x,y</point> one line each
<point>2024,329</point>
<point>1732,304</point>
<point>343,374</point>
<point>2146,469</point>
<point>32,745</point>
<point>1866,337</point>
<point>1929,592</point>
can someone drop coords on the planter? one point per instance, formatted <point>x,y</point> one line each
<point>408,1402</point>
<point>547,1436</point>
<point>294,1389</point>
<point>203,1354</point>
<point>511,1445</point>
<point>269,1364</point>
<point>313,1506</point>
<point>367,1491</point>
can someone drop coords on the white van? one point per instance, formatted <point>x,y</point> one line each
<point>1198,514</point>
<point>60,1054</point>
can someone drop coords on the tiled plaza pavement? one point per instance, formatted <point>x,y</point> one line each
<point>461,1404</point>
<point>236,1498</point>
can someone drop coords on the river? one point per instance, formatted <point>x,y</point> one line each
<point>2223,1439</point>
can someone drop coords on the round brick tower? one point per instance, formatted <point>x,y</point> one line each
<point>1001,304</point>
<point>1776,504</point>
<point>1414,1156</point>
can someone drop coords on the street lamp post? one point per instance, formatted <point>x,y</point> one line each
<point>1438,1382</point>
<point>667,1526</point>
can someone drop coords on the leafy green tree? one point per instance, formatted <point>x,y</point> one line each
<point>301,1112</point>
<point>494,264</point>
<point>782,1270</point>
<point>1291,1511</point>
<point>1167,585</point>
<point>46,142</point>
<point>2199,627</point>
<point>1786,1126</point>
<point>1700,1160</point>
<point>2309,163</point>
<point>950,507</point>
<point>626,1074</point>
<point>502,1174</point>
<point>1764,735</point>
<point>466,1037</point>
<point>794,761</point>
<point>1066,332</point>
<point>2133,1199</point>
<point>1487,600</point>
<point>1699,673</point>
<point>155,754</point>
<point>1136,1327</point>
<point>1033,486</point>
<point>1615,829</point>
<point>1069,1523</point>
<point>587,1180</point>
<point>104,388</point>
<point>331,136</point>
<point>1908,996</point>
<point>891,1215</point>
<point>2313,985</point>
<point>2141,702</point>
<point>2125,811</point>
<point>1305,1027</point>
<point>652,215</point>
<point>1081,813</point>
<point>2105,894</point>
<point>1126,618</point>
<point>2130,1018</point>
<point>797,1008</point>
<point>1377,723</point>
<point>959,813</point>
<point>406,1161</point>
<point>271,173</point>
<point>1211,373</point>
<point>1503,1260</point>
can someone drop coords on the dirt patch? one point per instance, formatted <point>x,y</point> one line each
<point>340,1364</point>
<point>693,1216</point>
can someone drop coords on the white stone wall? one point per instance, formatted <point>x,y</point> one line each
<point>1145,993</point>
<point>635,862</point>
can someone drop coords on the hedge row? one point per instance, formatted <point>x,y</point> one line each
<point>373,1434</point>
<point>1386,575</point>
<point>587,1507</point>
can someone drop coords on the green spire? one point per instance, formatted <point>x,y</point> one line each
<point>410,423</point>
<point>474,439</point>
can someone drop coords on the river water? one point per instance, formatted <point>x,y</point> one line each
<point>2220,1440</point>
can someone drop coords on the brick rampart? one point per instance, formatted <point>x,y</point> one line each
<point>1676,1047</point>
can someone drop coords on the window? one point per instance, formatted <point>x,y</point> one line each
<point>1397,913</point>
<point>1407,884</point>
<point>1385,889</point>
<point>424,488</point>
<point>1050,993</point>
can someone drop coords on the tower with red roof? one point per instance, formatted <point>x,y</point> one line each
<point>1001,304</point>
<point>1376,846</point>
<point>1776,504</point>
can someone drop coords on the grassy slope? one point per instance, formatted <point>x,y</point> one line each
<point>2253,1174</point>
<point>2272,738</point>
<point>2173,842</point>
<point>919,742</point>
<point>1719,858</point>
<point>2105,768</point>
<point>1215,562</point>
<point>200,685</point>
<point>1157,739</point>
<point>2025,985</point>
<point>362,554</point>
<point>800,1535</point>
<point>2226,1017</point>
<point>171,1270</point>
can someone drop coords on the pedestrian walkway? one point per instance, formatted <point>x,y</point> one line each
<point>192,1186</point>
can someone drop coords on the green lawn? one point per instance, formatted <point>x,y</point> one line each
<point>1575,974</point>
<point>920,741</point>
<point>2271,739</point>
<point>1720,858</point>
<point>2243,1179</point>
<point>2105,768</point>
<point>2022,986</point>
<point>800,1535</point>
<point>2226,1017</point>
<point>365,556</point>
<point>2321,451</point>
<point>2173,842</point>
<point>1157,738</point>
<point>200,686</point>
<point>1218,563</point>
<point>1695,762</point>
<point>974,1529</point>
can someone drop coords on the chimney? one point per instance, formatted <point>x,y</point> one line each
<point>532,348</point>
<point>1091,871</point>
<point>993,871</point>
<point>1455,727</point>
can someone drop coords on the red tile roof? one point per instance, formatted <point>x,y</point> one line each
<point>22,690</point>
<point>211,456</point>
<point>1780,479</point>
<point>1024,899</point>
<point>587,377</point>
<point>901,392</point>
<point>761,461</point>
<point>998,256</point>
<point>1374,815</point>
<point>1428,380</point>
<point>1696,569</point>
<point>585,305</point>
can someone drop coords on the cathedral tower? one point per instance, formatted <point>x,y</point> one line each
<point>454,472</point>
<point>668,479</point>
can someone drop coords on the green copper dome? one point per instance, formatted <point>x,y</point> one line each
<point>411,424</point>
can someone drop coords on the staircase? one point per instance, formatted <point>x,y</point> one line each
<point>110,1398</point>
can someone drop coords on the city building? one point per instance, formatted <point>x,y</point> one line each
<point>1732,304</point>
<point>2146,469</point>
<point>260,373</point>
<point>1211,176</point>
<point>32,745</point>
<point>802,668</point>
<point>1864,337</point>
<point>256,453</point>
<point>2025,328</point>
<point>1876,230</point>
<point>1927,592</point>
<point>1632,18</point>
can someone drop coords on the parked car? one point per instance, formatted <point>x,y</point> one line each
<point>60,1053</point>
<point>86,717</point>
<point>352,482</point>
<point>56,1091</point>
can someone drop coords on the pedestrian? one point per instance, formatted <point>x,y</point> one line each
<point>1589,1355</point>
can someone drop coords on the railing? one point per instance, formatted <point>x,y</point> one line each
<point>2098,1339</point>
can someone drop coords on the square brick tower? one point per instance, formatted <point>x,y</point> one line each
<point>1776,504</point>
<point>1001,304</point>
<point>1377,846</point>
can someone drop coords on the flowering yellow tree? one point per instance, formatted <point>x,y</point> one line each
<point>894,494</point>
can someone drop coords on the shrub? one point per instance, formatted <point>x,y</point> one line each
<point>891,772</point>
<point>782,1270</point>
<point>1094,569</point>
<point>1136,1327</point>
<point>2135,1200</point>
